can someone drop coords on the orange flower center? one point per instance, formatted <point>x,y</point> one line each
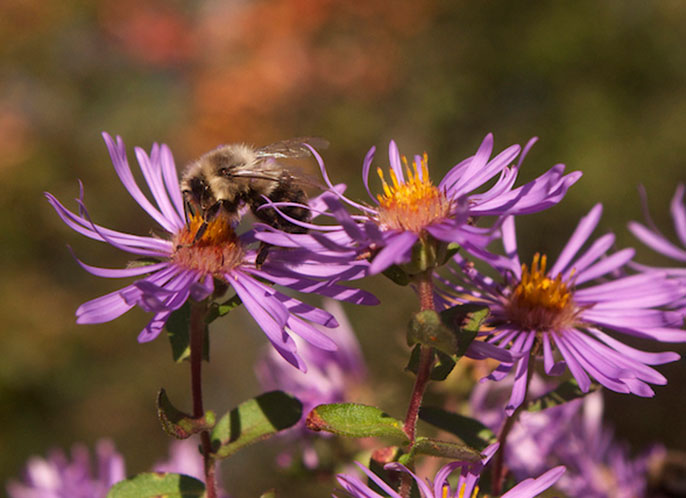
<point>539,302</point>
<point>413,204</point>
<point>216,252</point>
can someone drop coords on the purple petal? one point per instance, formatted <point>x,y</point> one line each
<point>398,250</point>
<point>578,238</point>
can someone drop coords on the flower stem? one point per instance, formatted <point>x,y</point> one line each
<point>426,359</point>
<point>197,333</point>
<point>499,470</point>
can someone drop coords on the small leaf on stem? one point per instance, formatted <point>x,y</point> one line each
<point>469,430</point>
<point>177,330</point>
<point>253,421</point>
<point>179,424</point>
<point>353,420</point>
<point>446,449</point>
<point>158,485</point>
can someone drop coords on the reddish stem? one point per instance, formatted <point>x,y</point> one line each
<point>197,333</point>
<point>426,359</point>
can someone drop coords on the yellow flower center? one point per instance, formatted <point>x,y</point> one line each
<point>539,302</point>
<point>414,204</point>
<point>216,252</point>
<point>460,494</point>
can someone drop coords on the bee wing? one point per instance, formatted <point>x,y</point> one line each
<point>292,147</point>
<point>297,176</point>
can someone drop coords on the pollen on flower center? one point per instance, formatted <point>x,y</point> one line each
<point>539,302</point>
<point>217,252</point>
<point>413,204</point>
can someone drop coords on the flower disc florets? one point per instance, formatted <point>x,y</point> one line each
<point>414,204</point>
<point>216,253</point>
<point>540,303</point>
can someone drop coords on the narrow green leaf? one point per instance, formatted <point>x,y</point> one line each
<point>465,320</point>
<point>567,391</point>
<point>468,430</point>
<point>253,421</point>
<point>177,327</point>
<point>426,328</point>
<point>219,310</point>
<point>139,262</point>
<point>179,424</point>
<point>442,367</point>
<point>269,494</point>
<point>397,275</point>
<point>353,420</point>
<point>446,449</point>
<point>158,485</point>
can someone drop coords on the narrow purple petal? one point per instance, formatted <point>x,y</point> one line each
<point>533,487</point>
<point>679,213</point>
<point>578,238</point>
<point>398,250</point>
<point>605,266</point>
<point>154,327</point>
<point>657,242</point>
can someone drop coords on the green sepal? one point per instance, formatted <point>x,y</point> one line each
<point>177,327</point>
<point>397,275</point>
<point>565,392</point>
<point>441,368</point>
<point>179,424</point>
<point>220,309</point>
<point>271,493</point>
<point>354,420</point>
<point>468,430</point>
<point>427,328</point>
<point>446,449</point>
<point>140,262</point>
<point>465,320</point>
<point>158,485</point>
<point>254,420</point>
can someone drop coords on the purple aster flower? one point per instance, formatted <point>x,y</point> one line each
<point>535,309</point>
<point>652,237</point>
<point>330,378</point>
<point>185,267</point>
<point>467,484</point>
<point>58,476</point>
<point>413,209</point>
<point>571,434</point>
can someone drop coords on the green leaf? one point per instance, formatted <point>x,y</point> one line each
<point>179,424</point>
<point>219,310</point>
<point>397,275</point>
<point>269,494</point>
<point>446,449</point>
<point>465,320</point>
<point>177,327</point>
<point>158,485</point>
<point>353,420</point>
<point>442,366</point>
<point>427,328</point>
<point>567,391</point>
<point>253,421</point>
<point>468,430</point>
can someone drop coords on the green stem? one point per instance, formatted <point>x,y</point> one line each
<point>197,333</point>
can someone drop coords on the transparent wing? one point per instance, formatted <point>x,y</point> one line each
<point>292,147</point>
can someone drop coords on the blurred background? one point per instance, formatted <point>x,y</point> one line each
<point>603,84</point>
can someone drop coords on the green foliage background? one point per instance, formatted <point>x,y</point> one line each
<point>601,83</point>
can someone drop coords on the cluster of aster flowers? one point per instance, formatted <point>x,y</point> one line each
<point>571,314</point>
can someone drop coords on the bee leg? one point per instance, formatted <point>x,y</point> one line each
<point>262,254</point>
<point>207,218</point>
